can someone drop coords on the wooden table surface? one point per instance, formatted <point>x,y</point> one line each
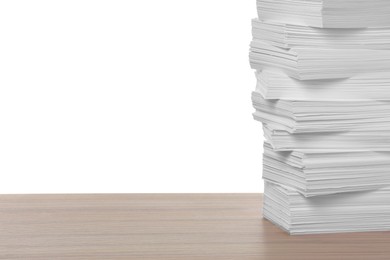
<point>181,226</point>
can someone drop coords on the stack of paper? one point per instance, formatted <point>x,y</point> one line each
<point>316,172</point>
<point>347,212</point>
<point>288,36</point>
<point>318,63</point>
<point>274,85</point>
<point>323,96</point>
<point>327,13</point>
<point>282,140</point>
<point>299,116</point>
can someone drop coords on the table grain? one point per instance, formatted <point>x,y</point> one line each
<point>163,226</point>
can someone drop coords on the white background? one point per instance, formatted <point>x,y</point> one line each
<point>127,96</point>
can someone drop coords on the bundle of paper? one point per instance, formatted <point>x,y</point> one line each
<point>289,36</point>
<point>316,172</point>
<point>275,85</point>
<point>281,140</point>
<point>318,63</point>
<point>323,96</point>
<point>344,212</point>
<point>322,116</point>
<point>327,13</point>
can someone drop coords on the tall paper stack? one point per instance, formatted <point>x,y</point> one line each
<point>323,96</point>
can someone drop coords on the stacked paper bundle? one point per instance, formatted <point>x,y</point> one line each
<point>323,96</point>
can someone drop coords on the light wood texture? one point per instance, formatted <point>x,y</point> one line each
<point>181,226</point>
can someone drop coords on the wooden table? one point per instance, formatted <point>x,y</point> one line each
<point>181,226</point>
